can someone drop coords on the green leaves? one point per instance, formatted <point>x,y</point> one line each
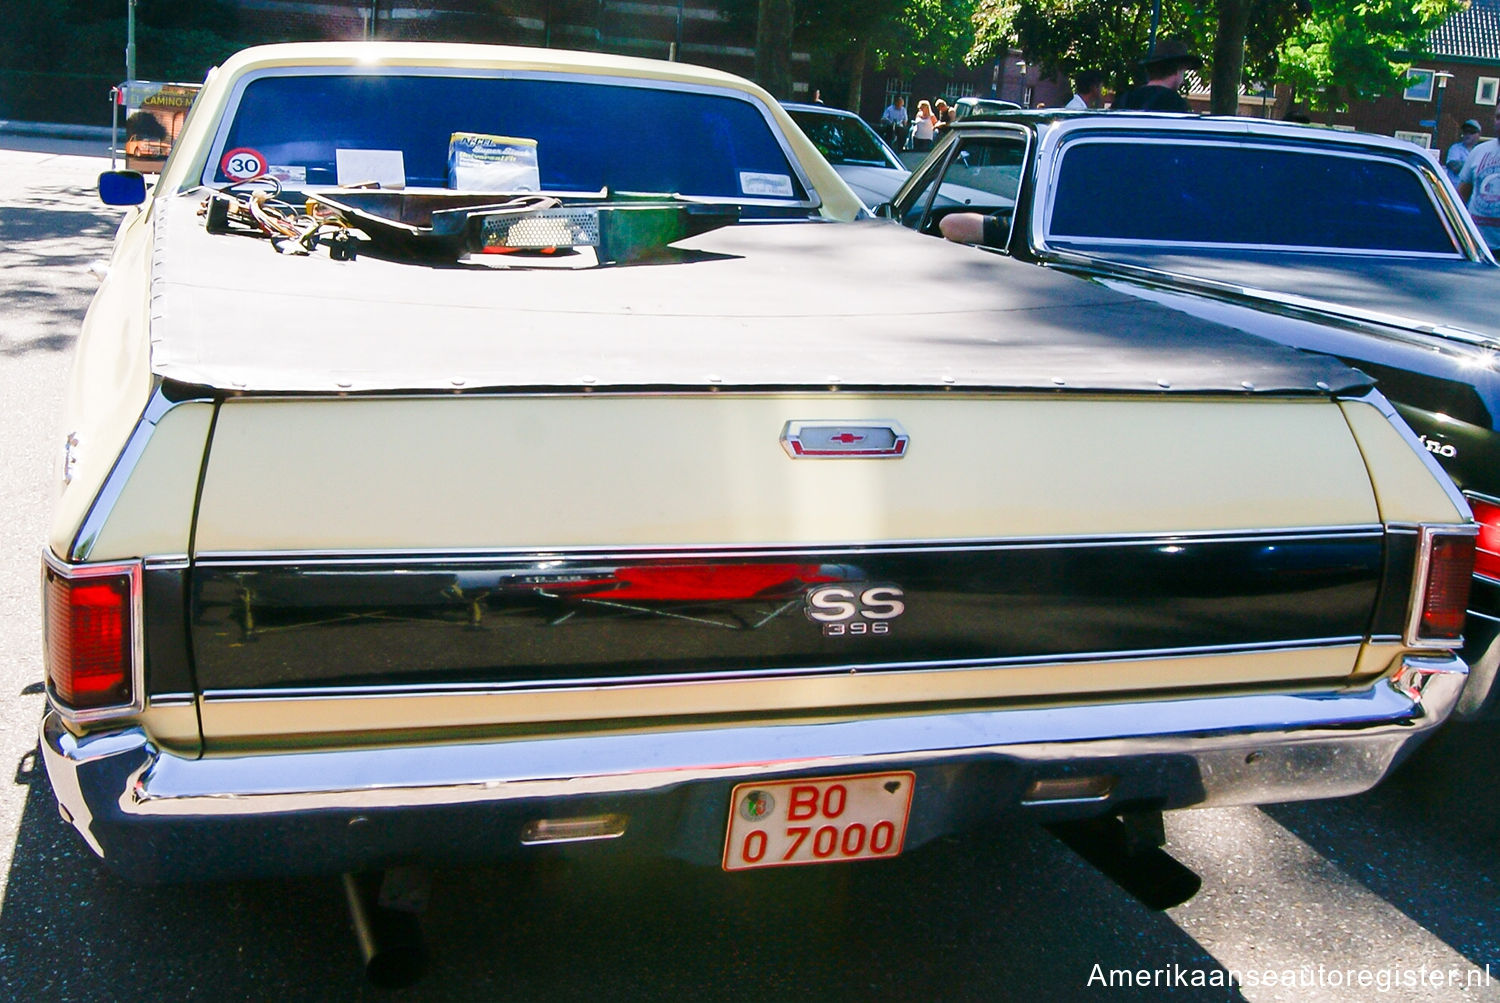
<point>1346,51</point>
<point>1330,50</point>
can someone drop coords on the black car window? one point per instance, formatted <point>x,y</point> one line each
<point>1238,195</point>
<point>844,140</point>
<point>588,136</point>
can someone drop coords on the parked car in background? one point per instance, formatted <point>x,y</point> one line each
<point>967,107</point>
<point>1346,243</point>
<point>537,486</point>
<point>855,150</point>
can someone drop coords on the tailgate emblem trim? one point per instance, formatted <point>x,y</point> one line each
<point>844,440</point>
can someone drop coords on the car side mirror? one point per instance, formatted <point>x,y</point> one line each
<point>122,188</point>
<point>884,211</point>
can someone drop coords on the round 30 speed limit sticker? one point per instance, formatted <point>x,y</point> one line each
<point>242,164</point>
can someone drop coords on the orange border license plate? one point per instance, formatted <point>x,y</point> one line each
<point>786,822</point>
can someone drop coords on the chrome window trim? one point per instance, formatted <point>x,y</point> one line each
<point>75,572</point>
<point>1061,141</point>
<point>941,165</point>
<point>1382,404</point>
<point>1412,637</point>
<point>935,164</point>
<point>303,693</point>
<point>157,407</point>
<point>216,146</point>
<point>1083,243</point>
<point>700,552</point>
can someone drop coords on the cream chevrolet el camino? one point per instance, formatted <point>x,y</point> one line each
<point>474,450</point>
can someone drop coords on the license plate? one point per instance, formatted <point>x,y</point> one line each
<point>788,822</point>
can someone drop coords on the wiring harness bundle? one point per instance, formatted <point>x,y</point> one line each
<point>262,213</point>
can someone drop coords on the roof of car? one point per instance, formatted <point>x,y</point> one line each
<point>819,108</point>
<point>469,55</point>
<point>1048,118</point>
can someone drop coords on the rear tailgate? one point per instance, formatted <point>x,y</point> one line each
<point>364,566</point>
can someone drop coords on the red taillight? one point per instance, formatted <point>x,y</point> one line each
<point>1443,590</point>
<point>90,639</point>
<point>1487,550</point>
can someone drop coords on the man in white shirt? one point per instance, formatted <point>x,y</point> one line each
<point>1479,186</point>
<point>1088,91</point>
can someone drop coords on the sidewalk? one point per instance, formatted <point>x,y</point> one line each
<point>54,130</point>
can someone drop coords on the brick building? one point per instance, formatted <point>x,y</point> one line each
<point>1455,77</point>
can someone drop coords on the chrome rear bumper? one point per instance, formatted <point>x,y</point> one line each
<point>157,816</point>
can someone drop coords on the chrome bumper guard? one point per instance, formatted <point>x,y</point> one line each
<point>157,816</point>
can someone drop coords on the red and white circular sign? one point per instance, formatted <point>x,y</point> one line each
<point>242,164</point>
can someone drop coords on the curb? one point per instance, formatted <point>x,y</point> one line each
<point>56,130</point>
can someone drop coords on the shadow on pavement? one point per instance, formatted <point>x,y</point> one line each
<point>1006,914</point>
<point>1443,869</point>
<point>45,283</point>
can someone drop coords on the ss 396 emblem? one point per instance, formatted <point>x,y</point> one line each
<point>855,608</point>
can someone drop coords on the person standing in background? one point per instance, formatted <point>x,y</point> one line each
<point>893,122</point>
<point>1164,72</point>
<point>1479,186</point>
<point>923,128</point>
<point>1459,151</point>
<point>1088,91</point>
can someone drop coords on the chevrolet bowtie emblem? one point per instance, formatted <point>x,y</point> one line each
<point>821,440</point>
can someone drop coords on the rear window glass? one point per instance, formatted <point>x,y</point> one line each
<point>588,136</point>
<point>1195,193</point>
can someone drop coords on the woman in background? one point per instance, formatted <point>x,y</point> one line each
<point>923,127</point>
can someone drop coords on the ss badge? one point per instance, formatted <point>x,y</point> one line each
<point>855,608</point>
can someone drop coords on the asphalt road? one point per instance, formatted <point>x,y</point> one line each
<point>1399,883</point>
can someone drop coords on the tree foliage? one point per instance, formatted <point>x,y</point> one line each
<point>845,36</point>
<point>1065,36</point>
<point>58,58</point>
<point>1345,50</point>
<point>1323,47</point>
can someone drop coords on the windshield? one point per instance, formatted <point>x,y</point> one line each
<point>504,134</point>
<point>845,140</point>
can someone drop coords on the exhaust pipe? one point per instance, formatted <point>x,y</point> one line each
<point>386,924</point>
<point>1127,849</point>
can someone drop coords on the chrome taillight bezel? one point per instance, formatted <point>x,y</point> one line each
<point>1488,500</point>
<point>132,572</point>
<point>1427,534</point>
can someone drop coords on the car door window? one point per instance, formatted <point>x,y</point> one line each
<point>982,175</point>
